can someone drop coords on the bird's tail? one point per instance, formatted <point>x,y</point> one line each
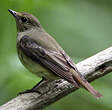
<point>95,93</point>
<point>83,82</point>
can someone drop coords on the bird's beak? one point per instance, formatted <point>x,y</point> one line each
<point>14,13</point>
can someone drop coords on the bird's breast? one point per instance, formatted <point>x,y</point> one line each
<point>35,67</point>
<point>32,66</point>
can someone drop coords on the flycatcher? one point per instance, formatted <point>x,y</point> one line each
<point>42,55</point>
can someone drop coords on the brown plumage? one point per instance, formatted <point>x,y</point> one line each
<point>43,56</point>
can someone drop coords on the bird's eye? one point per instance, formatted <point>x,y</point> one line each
<point>24,19</point>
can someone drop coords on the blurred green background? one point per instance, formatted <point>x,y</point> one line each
<point>82,27</point>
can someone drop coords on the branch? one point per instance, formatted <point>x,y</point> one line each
<point>92,68</point>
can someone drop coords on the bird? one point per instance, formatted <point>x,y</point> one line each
<point>40,53</point>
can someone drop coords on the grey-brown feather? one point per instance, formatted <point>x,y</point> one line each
<point>48,59</point>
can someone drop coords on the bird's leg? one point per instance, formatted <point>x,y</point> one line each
<point>35,88</point>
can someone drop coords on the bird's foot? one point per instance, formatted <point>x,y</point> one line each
<point>29,91</point>
<point>35,88</point>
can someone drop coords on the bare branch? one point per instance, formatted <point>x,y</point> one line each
<point>92,68</point>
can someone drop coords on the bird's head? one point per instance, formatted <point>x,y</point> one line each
<point>25,21</point>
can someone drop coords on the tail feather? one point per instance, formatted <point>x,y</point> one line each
<point>83,82</point>
<point>92,90</point>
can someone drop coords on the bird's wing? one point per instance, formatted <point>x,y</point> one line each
<point>54,61</point>
<point>57,62</point>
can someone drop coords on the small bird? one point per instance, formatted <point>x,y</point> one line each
<point>42,55</point>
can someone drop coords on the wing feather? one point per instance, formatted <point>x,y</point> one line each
<point>54,61</point>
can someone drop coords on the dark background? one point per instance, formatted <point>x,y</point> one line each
<point>82,27</point>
